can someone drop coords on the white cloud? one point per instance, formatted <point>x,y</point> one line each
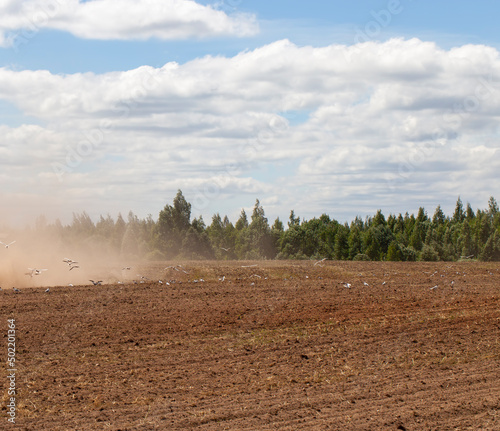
<point>120,19</point>
<point>380,125</point>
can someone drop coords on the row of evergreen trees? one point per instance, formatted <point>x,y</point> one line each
<point>466,234</point>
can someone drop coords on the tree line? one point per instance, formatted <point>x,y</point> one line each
<point>174,235</point>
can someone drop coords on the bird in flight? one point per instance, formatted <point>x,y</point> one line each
<point>35,271</point>
<point>96,283</point>
<point>7,245</point>
<point>72,263</point>
<point>16,290</point>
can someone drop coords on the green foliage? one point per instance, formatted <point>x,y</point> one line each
<point>458,215</point>
<point>491,250</point>
<point>429,254</point>
<point>361,257</point>
<point>173,224</point>
<point>394,253</point>
<point>395,238</point>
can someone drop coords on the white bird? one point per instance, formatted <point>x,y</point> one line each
<point>365,283</point>
<point>172,267</point>
<point>225,249</point>
<point>383,284</point>
<point>47,290</point>
<point>7,245</point>
<point>434,287</point>
<point>319,261</point>
<point>70,285</point>
<point>16,290</point>
<point>348,285</point>
<point>35,271</point>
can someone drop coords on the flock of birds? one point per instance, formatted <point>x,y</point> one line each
<point>73,264</point>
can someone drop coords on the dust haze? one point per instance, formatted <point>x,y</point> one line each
<point>33,250</point>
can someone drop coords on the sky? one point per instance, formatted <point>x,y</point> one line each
<point>338,108</point>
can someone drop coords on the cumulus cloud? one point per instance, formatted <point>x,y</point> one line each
<point>338,129</point>
<point>120,19</point>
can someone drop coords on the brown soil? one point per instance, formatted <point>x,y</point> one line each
<point>276,346</point>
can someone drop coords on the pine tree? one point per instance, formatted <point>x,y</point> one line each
<point>458,215</point>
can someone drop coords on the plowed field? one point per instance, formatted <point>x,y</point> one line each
<point>260,346</point>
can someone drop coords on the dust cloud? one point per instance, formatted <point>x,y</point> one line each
<point>33,250</point>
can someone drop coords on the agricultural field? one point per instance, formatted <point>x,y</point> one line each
<point>263,345</point>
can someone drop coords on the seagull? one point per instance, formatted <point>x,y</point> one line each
<point>7,245</point>
<point>16,290</point>
<point>319,261</point>
<point>73,267</point>
<point>96,283</point>
<point>225,249</point>
<point>47,290</point>
<point>70,285</point>
<point>128,268</point>
<point>171,267</point>
<point>434,287</point>
<point>383,284</point>
<point>365,283</point>
<point>348,285</point>
<point>35,271</point>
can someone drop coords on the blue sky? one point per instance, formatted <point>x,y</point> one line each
<point>314,22</point>
<point>321,107</point>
